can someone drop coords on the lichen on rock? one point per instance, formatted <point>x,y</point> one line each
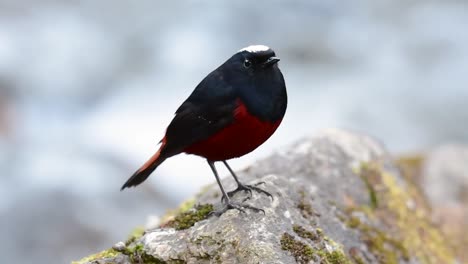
<point>188,218</point>
<point>302,252</point>
<point>103,255</point>
<point>338,198</point>
<point>403,216</point>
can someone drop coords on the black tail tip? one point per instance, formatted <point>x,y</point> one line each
<point>126,185</point>
<point>137,178</point>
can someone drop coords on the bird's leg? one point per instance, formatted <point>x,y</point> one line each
<point>228,204</point>
<point>245,187</point>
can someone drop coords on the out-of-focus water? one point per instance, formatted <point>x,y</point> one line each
<point>87,88</point>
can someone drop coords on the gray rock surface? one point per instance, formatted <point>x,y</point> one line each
<point>445,175</point>
<point>444,180</point>
<point>338,198</point>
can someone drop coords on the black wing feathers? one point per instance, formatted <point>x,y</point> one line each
<point>207,110</point>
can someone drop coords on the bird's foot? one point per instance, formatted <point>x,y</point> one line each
<point>249,189</point>
<point>228,204</point>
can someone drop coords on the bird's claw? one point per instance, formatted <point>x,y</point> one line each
<point>246,199</point>
<point>238,206</point>
<point>249,189</point>
<point>259,183</point>
<point>240,188</point>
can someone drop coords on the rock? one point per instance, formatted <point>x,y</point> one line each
<point>119,246</point>
<point>338,198</point>
<point>445,175</point>
<point>444,180</point>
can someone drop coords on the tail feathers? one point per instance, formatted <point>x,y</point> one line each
<point>144,171</point>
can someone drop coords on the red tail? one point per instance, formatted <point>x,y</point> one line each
<point>144,171</point>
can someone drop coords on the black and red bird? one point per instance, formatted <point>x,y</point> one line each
<point>235,109</point>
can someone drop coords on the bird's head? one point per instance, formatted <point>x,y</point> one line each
<point>257,57</point>
<point>253,74</point>
<point>250,63</point>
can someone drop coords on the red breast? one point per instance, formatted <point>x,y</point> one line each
<point>244,135</point>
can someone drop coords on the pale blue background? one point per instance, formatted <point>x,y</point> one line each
<point>87,88</point>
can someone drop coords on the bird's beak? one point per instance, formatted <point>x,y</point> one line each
<point>270,61</point>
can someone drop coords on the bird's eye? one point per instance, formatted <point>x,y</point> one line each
<point>247,64</point>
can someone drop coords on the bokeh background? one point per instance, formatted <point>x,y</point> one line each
<point>87,88</point>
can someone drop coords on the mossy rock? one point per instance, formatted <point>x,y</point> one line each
<point>339,198</point>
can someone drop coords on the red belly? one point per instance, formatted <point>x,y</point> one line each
<point>244,135</point>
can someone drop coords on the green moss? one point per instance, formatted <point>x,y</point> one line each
<point>387,250</point>
<point>417,233</point>
<point>187,205</point>
<point>410,166</point>
<point>327,256</point>
<point>136,233</point>
<point>319,232</point>
<point>356,256</point>
<point>110,253</point>
<point>358,260</point>
<point>176,261</point>
<point>183,207</point>
<point>393,229</point>
<point>302,253</point>
<point>187,219</point>
<point>320,252</point>
<point>304,206</point>
<point>304,233</point>
<point>138,255</point>
<point>353,222</point>
<point>334,257</point>
<point>368,175</point>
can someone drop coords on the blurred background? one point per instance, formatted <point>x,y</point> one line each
<point>87,88</point>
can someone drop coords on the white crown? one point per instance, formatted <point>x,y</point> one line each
<point>255,48</point>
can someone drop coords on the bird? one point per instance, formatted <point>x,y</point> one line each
<point>230,113</point>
